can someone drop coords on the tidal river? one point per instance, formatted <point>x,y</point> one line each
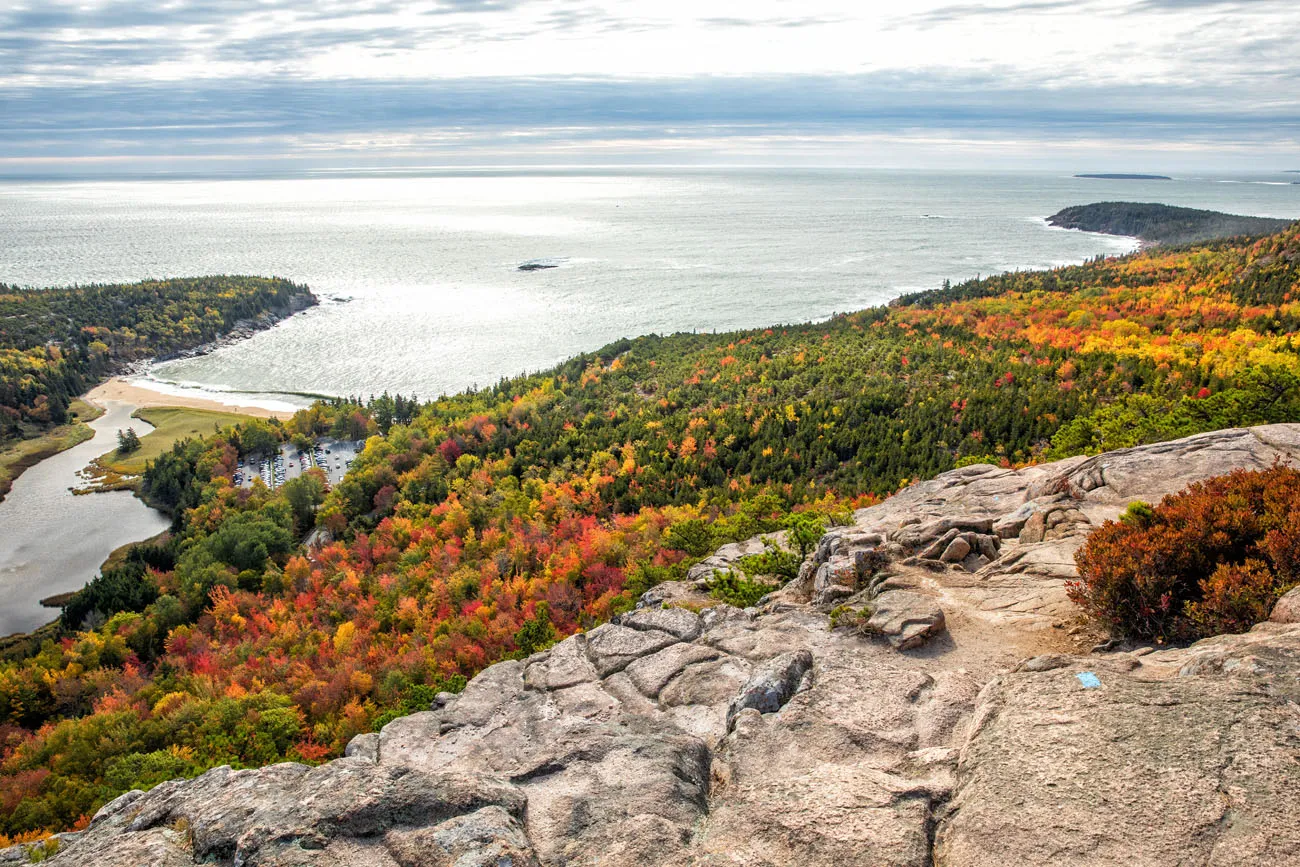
<point>52,541</point>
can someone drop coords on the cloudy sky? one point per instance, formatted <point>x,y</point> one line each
<point>92,86</point>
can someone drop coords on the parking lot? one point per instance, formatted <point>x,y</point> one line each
<point>332,456</point>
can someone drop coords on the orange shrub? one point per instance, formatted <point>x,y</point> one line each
<point>1211,559</point>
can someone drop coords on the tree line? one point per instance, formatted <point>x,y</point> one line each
<point>57,343</point>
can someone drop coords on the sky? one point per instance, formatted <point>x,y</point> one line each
<point>145,86</point>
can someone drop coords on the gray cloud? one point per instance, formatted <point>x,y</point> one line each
<point>968,11</point>
<point>801,21</point>
<point>1228,5</point>
<point>35,42</point>
<point>962,12</point>
<point>1237,85</point>
<point>161,118</point>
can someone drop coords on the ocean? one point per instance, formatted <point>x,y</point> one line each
<point>419,278</point>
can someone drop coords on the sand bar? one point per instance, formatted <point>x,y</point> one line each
<point>120,389</point>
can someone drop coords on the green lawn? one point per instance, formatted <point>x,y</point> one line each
<point>171,425</point>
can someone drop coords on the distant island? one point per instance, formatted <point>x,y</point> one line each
<point>1126,177</point>
<point>1162,224</point>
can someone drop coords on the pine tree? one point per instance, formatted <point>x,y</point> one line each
<point>127,441</point>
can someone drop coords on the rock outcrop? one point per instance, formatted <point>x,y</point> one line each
<point>1166,761</point>
<point>907,619</point>
<point>921,695</point>
<point>1287,609</point>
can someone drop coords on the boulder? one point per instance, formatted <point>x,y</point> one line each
<point>834,580</point>
<point>1009,526</point>
<point>490,837</point>
<point>677,594</point>
<point>612,648</point>
<point>935,549</point>
<point>956,551</point>
<point>868,561</point>
<point>1287,609</point>
<point>1051,522</point>
<point>905,618</point>
<point>1045,662</point>
<point>728,557</point>
<point>342,809</point>
<point>772,684</point>
<point>914,536</point>
<point>984,544</point>
<point>486,696</point>
<point>564,665</point>
<point>650,674</point>
<point>681,623</point>
<point>365,746</point>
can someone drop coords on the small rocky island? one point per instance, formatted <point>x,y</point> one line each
<point>1154,223</point>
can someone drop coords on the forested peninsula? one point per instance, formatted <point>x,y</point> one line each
<point>485,525</point>
<point>1162,224</point>
<point>57,343</point>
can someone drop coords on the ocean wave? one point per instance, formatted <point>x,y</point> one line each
<point>221,393</point>
<point>1260,183</point>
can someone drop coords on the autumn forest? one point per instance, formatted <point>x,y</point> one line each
<point>486,524</point>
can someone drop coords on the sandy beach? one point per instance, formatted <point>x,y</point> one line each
<point>120,389</point>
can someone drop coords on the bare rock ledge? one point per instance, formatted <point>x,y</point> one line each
<point>977,731</point>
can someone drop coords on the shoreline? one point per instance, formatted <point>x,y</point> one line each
<point>56,541</point>
<point>17,458</point>
<point>122,389</point>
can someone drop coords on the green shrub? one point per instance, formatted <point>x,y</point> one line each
<point>805,530</point>
<point>734,589</point>
<point>848,615</point>
<point>774,561</point>
<point>419,697</point>
<point>693,535</point>
<point>641,578</point>
<point>41,851</point>
<point>537,633</point>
